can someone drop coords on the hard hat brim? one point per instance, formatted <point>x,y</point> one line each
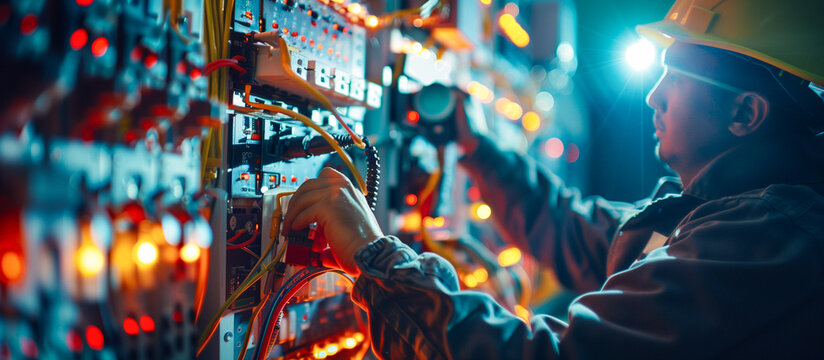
<point>664,33</point>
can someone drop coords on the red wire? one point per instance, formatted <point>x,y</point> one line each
<point>217,64</point>
<point>237,236</point>
<point>219,61</point>
<point>245,243</point>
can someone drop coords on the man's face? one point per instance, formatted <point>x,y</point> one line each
<point>691,116</point>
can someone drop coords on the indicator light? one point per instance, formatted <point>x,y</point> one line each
<point>244,176</point>
<point>332,349</point>
<point>28,24</point>
<point>554,148</point>
<point>509,257</point>
<point>350,343</point>
<point>78,39</point>
<point>473,194</point>
<point>130,326</point>
<point>74,342</point>
<point>150,61</point>
<point>413,116</point>
<point>372,21</point>
<point>470,281</point>
<point>481,275</point>
<point>321,354</point>
<point>94,337</point>
<point>147,324</point>
<point>11,267</point>
<point>100,46</point>
<point>88,259</point>
<point>531,121</point>
<point>195,74</point>
<point>411,199</point>
<point>359,336</point>
<point>145,253</point>
<point>84,2</point>
<point>481,211</point>
<point>177,316</point>
<point>190,253</point>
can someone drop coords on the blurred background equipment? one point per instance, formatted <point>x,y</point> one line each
<point>148,150</point>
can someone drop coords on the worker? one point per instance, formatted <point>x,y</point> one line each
<point>732,266</point>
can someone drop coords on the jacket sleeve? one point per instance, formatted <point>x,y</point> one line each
<point>699,297</point>
<point>536,212</point>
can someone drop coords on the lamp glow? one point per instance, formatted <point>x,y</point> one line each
<point>640,55</point>
<point>88,259</point>
<point>146,253</point>
<point>509,257</point>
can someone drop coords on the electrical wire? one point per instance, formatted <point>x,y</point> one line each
<point>219,64</point>
<point>286,63</point>
<point>286,293</point>
<point>248,336</point>
<point>428,190</point>
<point>308,122</point>
<point>236,236</point>
<point>245,243</point>
<point>250,279</point>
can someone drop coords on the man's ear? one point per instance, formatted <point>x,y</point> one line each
<point>749,113</point>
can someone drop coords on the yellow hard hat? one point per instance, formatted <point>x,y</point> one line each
<point>788,34</point>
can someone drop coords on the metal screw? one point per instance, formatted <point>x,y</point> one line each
<point>228,336</point>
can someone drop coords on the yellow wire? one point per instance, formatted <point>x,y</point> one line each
<point>248,335</point>
<point>286,62</point>
<point>250,279</point>
<point>308,122</point>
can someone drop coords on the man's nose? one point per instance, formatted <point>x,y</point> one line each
<point>655,98</point>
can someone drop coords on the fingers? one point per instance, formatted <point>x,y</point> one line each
<point>306,216</point>
<point>299,202</point>
<point>328,172</point>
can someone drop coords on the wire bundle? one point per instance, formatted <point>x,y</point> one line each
<point>373,175</point>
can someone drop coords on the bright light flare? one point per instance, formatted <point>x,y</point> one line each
<point>88,259</point>
<point>513,30</point>
<point>481,211</point>
<point>11,266</point>
<point>531,121</point>
<point>372,21</point>
<point>509,257</point>
<point>332,349</point>
<point>146,253</point>
<point>640,55</point>
<point>190,253</point>
<point>350,343</point>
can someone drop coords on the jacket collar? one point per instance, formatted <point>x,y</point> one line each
<point>757,165</point>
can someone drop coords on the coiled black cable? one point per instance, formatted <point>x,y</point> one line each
<point>373,174</point>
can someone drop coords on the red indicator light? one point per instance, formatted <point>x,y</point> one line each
<point>411,199</point>
<point>306,179</point>
<point>309,12</point>
<point>249,15</point>
<point>334,36</point>
<point>572,153</point>
<point>11,267</point>
<point>28,25</point>
<point>28,347</point>
<point>147,324</point>
<point>177,316</point>
<point>272,178</point>
<point>413,116</point>
<point>294,179</point>
<point>100,46</point>
<point>283,178</point>
<point>255,136</point>
<point>311,42</point>
<point>181,67</point>
<point>285,31</point>
<point>94,337</point>
<point>294,33</point>
<point>244,176</point>
<point>473,194</point>
<point>325,31</point>
<point>320,46</point>
<point>130,326</point>
<point>331,51</point>
<point>303,38</point>
<point>335,26</point>
<point>136,54</point>
<point>275,25</point>
<point>74,342</point>
<point>84,2</point>
<point>78,39</point>
<point>150,61</point>
<point>195,74</point>
<point>345,29</point>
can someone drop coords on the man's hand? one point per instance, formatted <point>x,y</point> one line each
<point>343,216</point>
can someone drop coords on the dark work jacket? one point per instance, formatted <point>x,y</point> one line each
<point>732,267</point>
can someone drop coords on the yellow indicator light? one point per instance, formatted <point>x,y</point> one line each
<point>88,259</point>
<point>372,21</point>
<point>531,121</point>
<point>321,354</point>
<point>359,337</point>
<point>355,8</point>
<point>439,221</point>
<point>522,312</point>
<point>481,275</point>
<point>350,343</point>
<point>481,211</point>
<point>513,30</point>
<point>332,349</point>
<point>146,253</point>
<point>509,257</point>
<point>470,281</point>
<point>190,253</point>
